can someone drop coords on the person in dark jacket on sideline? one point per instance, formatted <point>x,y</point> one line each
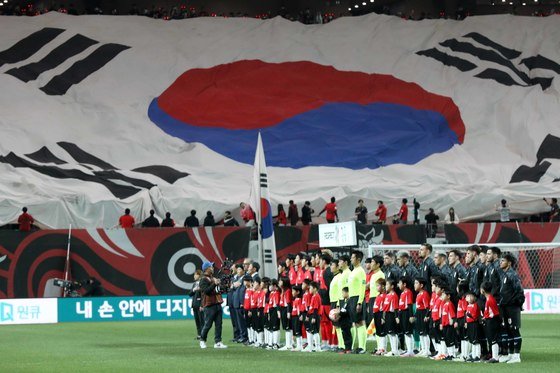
<point>212,304</point>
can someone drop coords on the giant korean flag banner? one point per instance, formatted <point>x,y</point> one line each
<point>101,113</point>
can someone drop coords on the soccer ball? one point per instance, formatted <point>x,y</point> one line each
<point>334,314</point>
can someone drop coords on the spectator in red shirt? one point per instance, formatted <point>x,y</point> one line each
<point>330,208</point>
<point>381,213</point>
<point>126,221</point>
<point>25,220</point>
<point>403,212</point>
<point>293,215</point>
<point>281,218</point>
<point>247,214</point>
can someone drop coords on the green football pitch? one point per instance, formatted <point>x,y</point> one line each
<point>170,346</point>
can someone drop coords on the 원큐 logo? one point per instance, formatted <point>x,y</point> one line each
<point>6,312</point>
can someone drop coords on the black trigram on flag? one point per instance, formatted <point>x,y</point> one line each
<point>89,168</point>
<point>58,85</point>
<point>490,60</point>
<point>263,181</point>
<point>548,151</point>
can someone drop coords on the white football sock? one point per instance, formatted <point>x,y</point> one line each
<point>495,351</point>
<point>317,338</point>
<point>427,344</point>
<point>382,343</point>
<point>393,340</point>
<point>443,347</point>
<point>476,351</point>
<point>289,338</point>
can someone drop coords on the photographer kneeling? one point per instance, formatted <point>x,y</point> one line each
<point>212,305</point>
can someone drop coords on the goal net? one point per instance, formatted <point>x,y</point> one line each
<point>538,264</point>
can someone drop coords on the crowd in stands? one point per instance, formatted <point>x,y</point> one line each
<point>460,306</point>
<point>294,216</point>
<point>307,16</point>
<point>173,13</point>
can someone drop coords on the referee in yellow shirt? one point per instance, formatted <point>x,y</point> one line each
<point>357,291</point>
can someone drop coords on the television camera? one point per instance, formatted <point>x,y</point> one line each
<point>225,276</point>
<point>70,288</point>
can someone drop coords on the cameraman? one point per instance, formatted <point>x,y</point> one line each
<point>212,304</point>
<point>92,287</point>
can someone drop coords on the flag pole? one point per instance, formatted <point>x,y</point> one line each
<point>67,265</point>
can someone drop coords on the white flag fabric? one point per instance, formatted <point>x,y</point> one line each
<point>260,200</point>
<point>102,113</point>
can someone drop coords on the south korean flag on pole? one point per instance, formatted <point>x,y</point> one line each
<point>260,199</point>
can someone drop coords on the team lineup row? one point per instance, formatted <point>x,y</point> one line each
<point>322,304</point>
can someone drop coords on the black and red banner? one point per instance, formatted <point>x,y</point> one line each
<point>158,261</point>
<point>148,261</point>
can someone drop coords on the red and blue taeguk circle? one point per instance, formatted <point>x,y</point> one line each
<point>266,219</point>
<point>308,115</point>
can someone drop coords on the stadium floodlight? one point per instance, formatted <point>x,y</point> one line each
<point>371,1</point>
<point>364,3</point>
<point>356,6</point>
<point>349,9</point>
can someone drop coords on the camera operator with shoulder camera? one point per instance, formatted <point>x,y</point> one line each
<point>93,288</point>
<point>212,305</point>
